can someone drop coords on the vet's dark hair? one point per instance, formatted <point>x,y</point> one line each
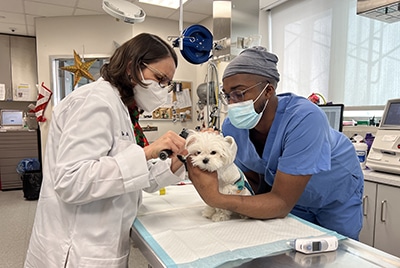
<point>143,48</point>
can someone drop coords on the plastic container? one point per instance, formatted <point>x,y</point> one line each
<point>361,149</point>
<point>369,139</point>
<point>163,191</point>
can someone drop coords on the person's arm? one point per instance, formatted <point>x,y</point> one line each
<point>285,192</point>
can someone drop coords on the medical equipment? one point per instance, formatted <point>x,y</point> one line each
<point>315,244</point>
<point>334,112</point>
<point>384,154</point>
<point>124,10</point>
<point>164,154</point>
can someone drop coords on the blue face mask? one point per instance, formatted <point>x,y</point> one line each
<point>243,115</point>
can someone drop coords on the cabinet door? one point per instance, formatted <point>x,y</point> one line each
<point>387,231</point>
<point>23,68</point>
<point>15,146</point>
<point>5,66</point>
<point>369,201</point>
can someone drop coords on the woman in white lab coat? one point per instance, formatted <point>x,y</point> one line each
<point>94,170</point>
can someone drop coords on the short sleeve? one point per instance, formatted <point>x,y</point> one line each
<point>306,144</point>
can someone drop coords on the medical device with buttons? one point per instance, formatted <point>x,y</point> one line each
<point>384,154</point>
<point>316,244</point>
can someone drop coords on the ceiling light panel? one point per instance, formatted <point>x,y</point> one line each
<point>164,3</point>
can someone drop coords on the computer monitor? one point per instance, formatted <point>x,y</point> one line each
<point>391,115</point>
<point>12,118</point>
<point>334,112</point>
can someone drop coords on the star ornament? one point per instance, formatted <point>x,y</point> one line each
<point>80,69</point>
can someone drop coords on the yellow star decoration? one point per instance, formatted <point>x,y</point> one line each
<point>80,69</point>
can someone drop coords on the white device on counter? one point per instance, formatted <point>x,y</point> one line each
<point>315,244</point>
<point>384,154</point>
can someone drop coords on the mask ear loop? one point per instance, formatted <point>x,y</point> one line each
<point>266,103</point>
<point>143,80</point>
<point>259,95</point>
<point>141,74</point>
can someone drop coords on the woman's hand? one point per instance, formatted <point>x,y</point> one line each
<point>206,183</point>
<point>168,141</point>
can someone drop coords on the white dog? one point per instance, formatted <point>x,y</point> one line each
<point>212,152</point>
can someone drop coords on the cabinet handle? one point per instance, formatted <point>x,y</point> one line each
<point>365,205</point>
<point>383,213</point>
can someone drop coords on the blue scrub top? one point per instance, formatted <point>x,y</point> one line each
<point>301,142</point>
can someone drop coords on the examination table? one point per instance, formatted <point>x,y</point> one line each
<point>170,232</point>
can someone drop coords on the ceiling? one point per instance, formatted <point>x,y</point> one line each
<point>18,16</point>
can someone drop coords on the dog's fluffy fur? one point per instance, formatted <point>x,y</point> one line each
<point>212,152</point>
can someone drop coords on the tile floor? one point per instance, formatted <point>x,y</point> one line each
<point>16,219</point>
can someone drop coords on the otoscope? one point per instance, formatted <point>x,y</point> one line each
<point>164,154</point>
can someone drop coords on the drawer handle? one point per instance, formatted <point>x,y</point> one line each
<point>365,205</point>
<point>383,211</point>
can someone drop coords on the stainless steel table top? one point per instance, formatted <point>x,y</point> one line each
<point>351,254</point>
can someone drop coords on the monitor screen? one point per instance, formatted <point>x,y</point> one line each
<point>334,112</point>
<point>391,115</point>
<point>12,118</point>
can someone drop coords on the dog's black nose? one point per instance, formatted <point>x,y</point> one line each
<point>205,160</point>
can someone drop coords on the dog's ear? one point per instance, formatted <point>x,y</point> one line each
<point>190,138</point>
<point>191,131</point>
<point>231,141</point>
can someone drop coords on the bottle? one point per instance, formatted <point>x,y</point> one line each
<point>361,149</point>
<point>369,139</point>
<point>162,191</point>
<point>25,121</point>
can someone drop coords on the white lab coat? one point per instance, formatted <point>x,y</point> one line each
<point>93,176</point>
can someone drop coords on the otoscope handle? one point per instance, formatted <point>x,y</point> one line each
<point>163,155</point>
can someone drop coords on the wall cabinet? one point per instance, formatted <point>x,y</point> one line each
<point>381,217</point>
<point>15,146</point>
<point>18,67</point>
<point>5,66</point>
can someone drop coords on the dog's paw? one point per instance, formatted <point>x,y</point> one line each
<point>208,212</point>
<point>243,216</point>
<point>221,215</point>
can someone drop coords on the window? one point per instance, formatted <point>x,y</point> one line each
<point>325,47</point>
<point>63,81</point>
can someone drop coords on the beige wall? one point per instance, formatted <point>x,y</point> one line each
<point>95,35</point>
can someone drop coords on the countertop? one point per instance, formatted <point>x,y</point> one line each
<point>382,177</point>
<point>16,129</point>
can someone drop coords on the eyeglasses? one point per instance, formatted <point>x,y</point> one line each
<point>163,79</point>
<point>236,95</point>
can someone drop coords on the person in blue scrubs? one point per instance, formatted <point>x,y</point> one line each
<point>295,162</point>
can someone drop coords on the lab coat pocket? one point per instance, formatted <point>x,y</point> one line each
<point>120,262</point>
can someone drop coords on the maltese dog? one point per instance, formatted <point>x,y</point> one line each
<point>212,152</point>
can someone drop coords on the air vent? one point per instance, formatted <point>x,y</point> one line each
<point>383,10</point>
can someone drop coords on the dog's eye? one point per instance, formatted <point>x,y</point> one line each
<point>213,152</point>
<point>198,152</point>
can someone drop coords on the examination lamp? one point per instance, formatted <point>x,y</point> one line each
<point>124,11</point>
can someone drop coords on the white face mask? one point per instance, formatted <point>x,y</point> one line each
<point>151,97</point>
